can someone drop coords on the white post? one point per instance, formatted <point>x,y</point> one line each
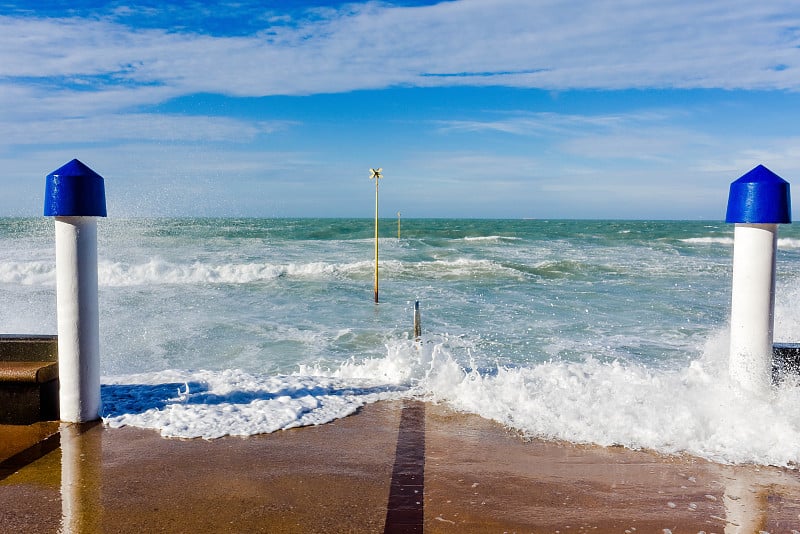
<point>757,203</point>
<point>78,318</point>
<point>752,305</point>
<point>75,196</point>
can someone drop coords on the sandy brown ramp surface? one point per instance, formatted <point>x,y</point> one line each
<point>393,467</point>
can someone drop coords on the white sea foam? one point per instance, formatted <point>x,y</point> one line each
<point>788,243</point>
<point>157,271</point>
<point>210,405</point>
<point>709,240</point>
<point>464,267</point>
<point>693,409</point>
<point>28,273</point>
<point>491,238</point>
<point>783,242</point>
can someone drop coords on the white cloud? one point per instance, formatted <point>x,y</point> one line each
<point>143,127</point>
<point>552,45</point>
<point>86,87</point>
<point>559,124</point>
<point>782,156</point>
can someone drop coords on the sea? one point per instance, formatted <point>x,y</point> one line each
<point>607,332</point>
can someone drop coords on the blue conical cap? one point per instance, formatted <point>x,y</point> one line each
<point>74,190</point>
<point>760,196</point>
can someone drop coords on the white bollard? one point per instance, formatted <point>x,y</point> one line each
<point>753,304</point>
<point>75,195</point>
<point>757,203</point>
<point>78,318</point>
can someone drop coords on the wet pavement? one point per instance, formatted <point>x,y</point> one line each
<point>392,467</point>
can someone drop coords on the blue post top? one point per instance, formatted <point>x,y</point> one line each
<point>74,190</point>
<point>760,196</point>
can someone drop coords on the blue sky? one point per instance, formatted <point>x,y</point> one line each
<point>473,108</point>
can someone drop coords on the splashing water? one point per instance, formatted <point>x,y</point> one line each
<point>606,332</point>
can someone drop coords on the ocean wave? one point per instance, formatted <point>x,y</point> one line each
<point>157,271</point>
<point>210,405</point>
<point>28,273</point>
<point>693,409</point>
<point>708,240</point>
<point>567,268</point>
<point>160,272</point>
<point>783,242</point>
<point>492,238</point>
<point>466,268</point>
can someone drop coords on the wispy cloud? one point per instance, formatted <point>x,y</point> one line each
<point>56,68</point>
<point>640,135</point>
<point>566,124</point>
<point>552,45</point>
<point>100,79</point>
<point>141,127</point>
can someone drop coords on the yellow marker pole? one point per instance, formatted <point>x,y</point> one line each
<point>398,225</point>
<point>376,240</point>
<point>376,174</point>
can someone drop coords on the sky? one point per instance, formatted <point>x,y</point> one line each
<point>472,108</point>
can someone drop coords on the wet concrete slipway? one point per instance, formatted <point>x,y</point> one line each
<point>392,467</point>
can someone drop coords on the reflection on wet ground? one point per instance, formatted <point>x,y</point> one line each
<point>478,477</point>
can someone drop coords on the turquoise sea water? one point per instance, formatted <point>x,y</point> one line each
<point>609,332</point>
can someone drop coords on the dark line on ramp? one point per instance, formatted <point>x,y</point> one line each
<point>405,512</point>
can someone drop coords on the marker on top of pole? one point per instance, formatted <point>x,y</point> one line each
<point>757,203</point>
<point>75,196</point>
<point>74,190</point>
